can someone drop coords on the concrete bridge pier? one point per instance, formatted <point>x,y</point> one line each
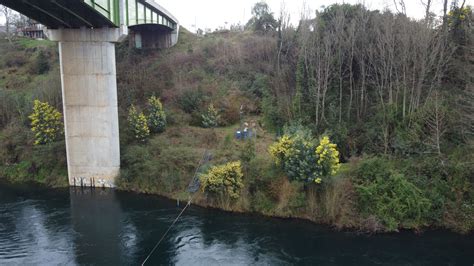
<point>89,90</point>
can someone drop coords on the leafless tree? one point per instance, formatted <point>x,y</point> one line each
<point>9,17</point>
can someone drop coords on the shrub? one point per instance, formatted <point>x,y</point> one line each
<point>210,119</point>
<point>191,100</point>
<point>272,116</point>
<point>247,151</point>
<point>46,123</point>
<point>224,180</point>
<point>328,157</point>
<point>41,63</point>
<point>395,201</point>
<point>138,124</point>
<point>262,203</point>
<point>157,116</point>
<point>373,168</point>
<point>303,159</point>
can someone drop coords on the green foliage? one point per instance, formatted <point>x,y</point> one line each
<point>391,197</point>
<point>20,162</point>
<point>210,119</point>
<point>247,152</point>
<point>191,100</point>
<point>395,201</point>
<point>46,123</point>
<point>272,117</point>
<point>303,158</point>
<point>262,20</point>
<point>257,85</point>
<point>373,168</point>
<point>156,116</point>
<point>261,202</point>
<point>138,124</point>
<point>223,180</point>
<point>41,63</point>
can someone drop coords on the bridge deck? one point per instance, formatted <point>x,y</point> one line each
<point>94,13</point>
<point>60,13</point>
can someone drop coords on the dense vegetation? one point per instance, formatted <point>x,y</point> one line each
<point>363,119</point>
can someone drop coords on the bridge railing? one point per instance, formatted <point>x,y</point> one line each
<point>137,12</point>
<point>108,8</point>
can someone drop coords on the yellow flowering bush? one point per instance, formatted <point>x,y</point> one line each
<point>303,159</point>
<point>138,124</point>
<point>157,116</point>
<point>224,180</point>
<point>328,157</point>
<point>46,123</point>
<point>458,15</point>
<point>281,149</point>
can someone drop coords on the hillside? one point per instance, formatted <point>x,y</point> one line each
<point>400,118</point>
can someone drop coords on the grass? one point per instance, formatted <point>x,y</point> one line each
<point>28,43</point>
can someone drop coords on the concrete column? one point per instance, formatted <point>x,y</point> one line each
<point>175,36</point>
<point>89,89</point>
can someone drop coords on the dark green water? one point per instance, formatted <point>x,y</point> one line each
<point>67,227</point>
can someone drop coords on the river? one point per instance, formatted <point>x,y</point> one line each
<point>106,227</point>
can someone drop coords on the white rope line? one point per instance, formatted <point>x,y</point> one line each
<point>169,228</point>
<point>179,215</point>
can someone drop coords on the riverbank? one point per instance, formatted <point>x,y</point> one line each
<point>166,164</point>
<point>398,170</point>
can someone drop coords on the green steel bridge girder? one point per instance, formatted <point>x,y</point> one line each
<point>94,13</point>
<point>137,12</point>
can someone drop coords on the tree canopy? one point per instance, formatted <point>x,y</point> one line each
<point>262,18</point>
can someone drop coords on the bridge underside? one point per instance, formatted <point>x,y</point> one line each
<point>60,13</point>
<point>151,36</point>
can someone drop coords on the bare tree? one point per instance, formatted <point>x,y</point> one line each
<point>401,4</point>
<point>9,17</point>
<point>435,122</point>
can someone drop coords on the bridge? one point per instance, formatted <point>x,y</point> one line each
<point>86,31</point>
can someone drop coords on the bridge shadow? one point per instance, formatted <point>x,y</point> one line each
<point>101,236</point>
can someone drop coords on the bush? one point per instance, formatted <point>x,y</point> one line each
<point>372,169</point>
<point>225,180</point>
<point>391,197</point>
<point>46,123</point>
<point>210,119</point>
<point>262,203</point>
<point>303,159</point>
<point>191,100</point>
<point>41,63</point>
<point>247,151</point>
<point>157,116</point>
<point>328,157</point>
<point>138,124</point>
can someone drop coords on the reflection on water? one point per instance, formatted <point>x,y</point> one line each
<point>31,232</point>
<point>102,236</point>
<point>104,227</point>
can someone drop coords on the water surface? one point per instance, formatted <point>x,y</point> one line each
<point>105,227</point>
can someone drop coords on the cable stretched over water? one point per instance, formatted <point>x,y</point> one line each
<point>205,157</point>
<point>164,235</point>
